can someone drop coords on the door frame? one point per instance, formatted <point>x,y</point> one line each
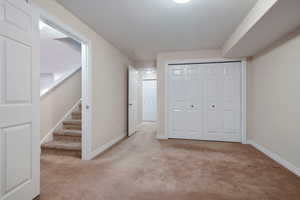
<point>86,76</point>
<point>203,60</point>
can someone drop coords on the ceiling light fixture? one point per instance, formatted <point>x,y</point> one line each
<point>181,1</point>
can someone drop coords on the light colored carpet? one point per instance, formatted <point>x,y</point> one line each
<point>143,168</point>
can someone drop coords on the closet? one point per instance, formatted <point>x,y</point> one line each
<point>204,101</point>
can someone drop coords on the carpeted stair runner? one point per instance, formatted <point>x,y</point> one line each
<point>66,140</point>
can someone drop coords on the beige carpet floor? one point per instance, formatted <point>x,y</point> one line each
<point>143,168</point>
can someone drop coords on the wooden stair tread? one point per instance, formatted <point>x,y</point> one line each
<point>76,115</point>
<point>76,112</point>
<point>72,122</point>
<point>62,145</point>
<point>68,132</point>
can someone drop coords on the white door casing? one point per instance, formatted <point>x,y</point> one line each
<point>86,76</point>
<point>132,100</point>
<point>149,100</point>
<point>205,101</point>
<point>19,101</point>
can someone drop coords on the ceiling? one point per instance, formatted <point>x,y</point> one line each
<point>143,28</point>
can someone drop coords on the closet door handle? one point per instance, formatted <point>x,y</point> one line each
<point>192,106</point>
<point>213,106</point>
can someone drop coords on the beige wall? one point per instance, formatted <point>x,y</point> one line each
<point>162,58</point>
<point>109,86</point>
<point>255,14</point>
<point>273,98</point>
<point>58,102</point>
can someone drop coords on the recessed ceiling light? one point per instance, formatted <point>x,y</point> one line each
<point>181,1</point>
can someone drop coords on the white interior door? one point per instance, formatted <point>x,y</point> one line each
<point>204,101</point>
<point>149,100</point>
<point>132,100</point>
<point>19,101</point>
<point>223,102</point>
<point>185,101</point>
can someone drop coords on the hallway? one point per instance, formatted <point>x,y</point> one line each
<point>143,168</point>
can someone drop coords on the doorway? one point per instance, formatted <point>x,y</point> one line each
<point>142,98</point>
<point>149,100</point>
<point>75,124</point>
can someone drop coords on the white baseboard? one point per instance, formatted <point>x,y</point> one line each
<point>276,157</point>
<point>105,147</point>
<point>49,136</point>
<point>161,137</point>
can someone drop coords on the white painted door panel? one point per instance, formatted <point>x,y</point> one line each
<point>231,87</point>
<point>177,101</point>
<point>132,110</point>
<point>185,101</point>
<point>19,101</point>
<point>211,99</point>
<point>204,101</point>
<point>194,96</point>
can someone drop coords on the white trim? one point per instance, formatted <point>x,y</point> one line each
<point>87,100</point>
<point>277,158</point>
<point>59,81</point>
<point>106,146</point>
<point>49,136</point>
<point>59,24</point>
<point>184,61</point>
<point>162,137</point>
<point>86,77</point>
<point>244,102</point>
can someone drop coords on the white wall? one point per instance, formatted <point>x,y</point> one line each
<point>273,98</point>
<point>109,81</point>
<point>162,58</point>
<point>255,14</point>
<point>58,57</point>
<point>58,102</point>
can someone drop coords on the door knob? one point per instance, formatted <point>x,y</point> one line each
<point>130,104</point>
<point>192,106</point>
<point>213,106</point>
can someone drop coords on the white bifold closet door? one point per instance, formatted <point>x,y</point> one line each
<point>205,101</point>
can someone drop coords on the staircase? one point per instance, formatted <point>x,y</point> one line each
<point>67,138</point>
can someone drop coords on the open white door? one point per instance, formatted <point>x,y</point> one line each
<point>131,100</point>
<point>19,101</point>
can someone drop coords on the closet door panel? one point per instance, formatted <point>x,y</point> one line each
<point>231,98</point>
<point>177,100</point>
<point>211,95</point>
<point>194,101</point>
